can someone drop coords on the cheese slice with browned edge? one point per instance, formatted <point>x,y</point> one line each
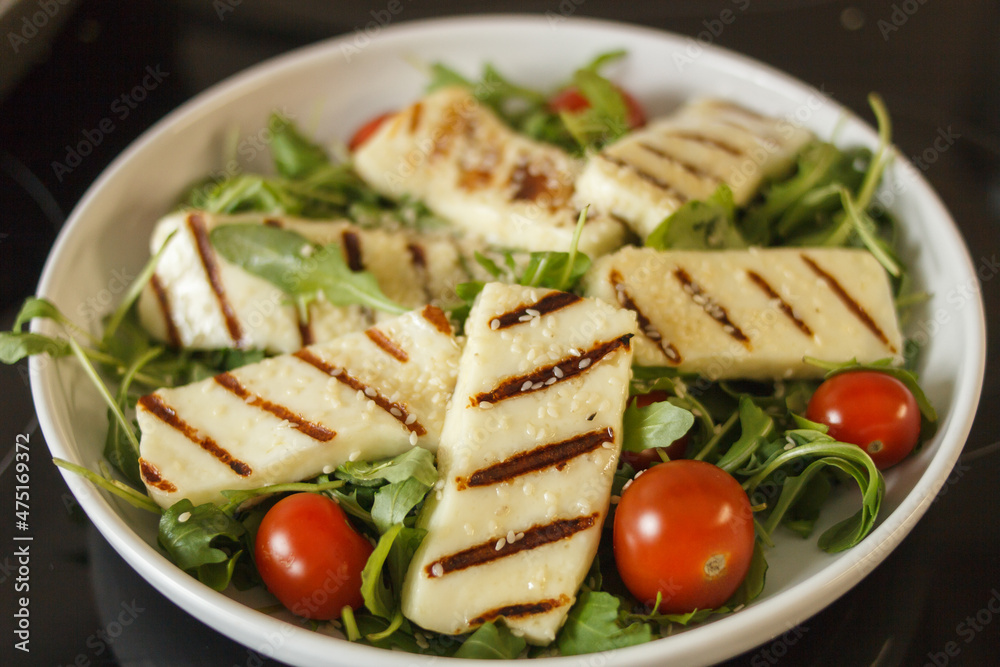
<point>467,166</point>
<point>362,396</point>
<point>529,448</point>
<point>650,173</point>
<point>198,300</point>
<point>753,314</point>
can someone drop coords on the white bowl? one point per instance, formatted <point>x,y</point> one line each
<point>330,89</point>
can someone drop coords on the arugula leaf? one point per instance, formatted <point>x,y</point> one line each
<point>492,641</point>
<point>382,577</point>
<point>294,155</point>
<point>416,462</point>
<point>700,225</point>
<point>299,267</point>
<point>656,425</point>
<point>394,501</point>
<point>558,270</point>
<point>202,540</point>
<point>821,450</point>
<point>755,427</point>
<point>592,626</point>
<point>17,345</point>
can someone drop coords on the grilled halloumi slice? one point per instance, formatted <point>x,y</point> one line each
<point>527,455</point>
<point>650,173</point>
<point>365,395</point>
<point>196,299</point>
<point>461,160</point>
<point>751,313</point>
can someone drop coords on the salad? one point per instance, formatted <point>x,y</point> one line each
<point>757,446</point>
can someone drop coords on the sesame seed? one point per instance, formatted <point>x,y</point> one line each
<point>500,544</point>
<point>557,372</point>
<point>575,352</point>
<point>410,419</point>
<point>354,456</point>
<point>584,362</point>
<point>550,381</point>
<point>395,412</point>
<point>532,312</point>
<point>485,405</point>
<point>437,569</point>
<point>413,438</point>
<point>524,318</point>
<point>519,536</point>
<point>495,324</point>
<point>608,445</point>
<point>511,537</point>
<point>537,385</point>
<point>526,386</point>
<point>184,517</point>
<point>370,392</point>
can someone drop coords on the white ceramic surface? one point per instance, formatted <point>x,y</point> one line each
<point>330,89</point>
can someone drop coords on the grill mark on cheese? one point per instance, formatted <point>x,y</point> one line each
<point>785,307</point>
<point>712,308</point>
<point>549,303</point>
<point>416,112</point>
<point>521,610</point>
<point>568,368</point>
<point>395,410</point>
<point>436,317</point>
<point>386,344</point>
<point>418,260</point>
<point>534,537</point>
<point>856,308</point>
<point>315,431</point>
<point>556,454</point>
<point>163,300</point>
<point>699,138</point>
<point>306,332</point>
<point>648,177</point>
<point>645,325</point>
<point>155,405</point>
<point>533,182</point>
<point>211,266</point>
<point>352,250</point>
<point>692,169</point>
<point>152,477</point>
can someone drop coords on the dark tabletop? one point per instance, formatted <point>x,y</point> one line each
<point>935,599</point>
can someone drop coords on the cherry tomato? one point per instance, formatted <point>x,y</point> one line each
<point>364,133</point>
<point>647,457</point>
<point>872,410</point>
<point>310,557</point>
<point>572,100</point>
<point>683,529</point>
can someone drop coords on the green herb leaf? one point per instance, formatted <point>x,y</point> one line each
<point>15,346</point>
<point>298,267</point>
<point>394,501</point>
<point>198,538</point>
<point>491,641</point>
<point>700,225</point>
<point>416,462</point>
<point>656,425</point>
<point>294,155</point>
<point>382,577</point>
<point>592,626</point>
<point>755,427</point>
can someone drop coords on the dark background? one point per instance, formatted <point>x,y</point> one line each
<point>936,63</point>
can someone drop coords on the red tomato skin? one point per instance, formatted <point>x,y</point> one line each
<point>572,100</point>
<point>865,407</point>
<point>310,557</point>
<point>365,132</point>
<point>683,529</point>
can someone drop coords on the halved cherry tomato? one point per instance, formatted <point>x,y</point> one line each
<point>647,457</point>
<point>872,410</point>
<point>364,133</point>
<point>310,557</point>
<point>683,529</point>
<point>571,99</point>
